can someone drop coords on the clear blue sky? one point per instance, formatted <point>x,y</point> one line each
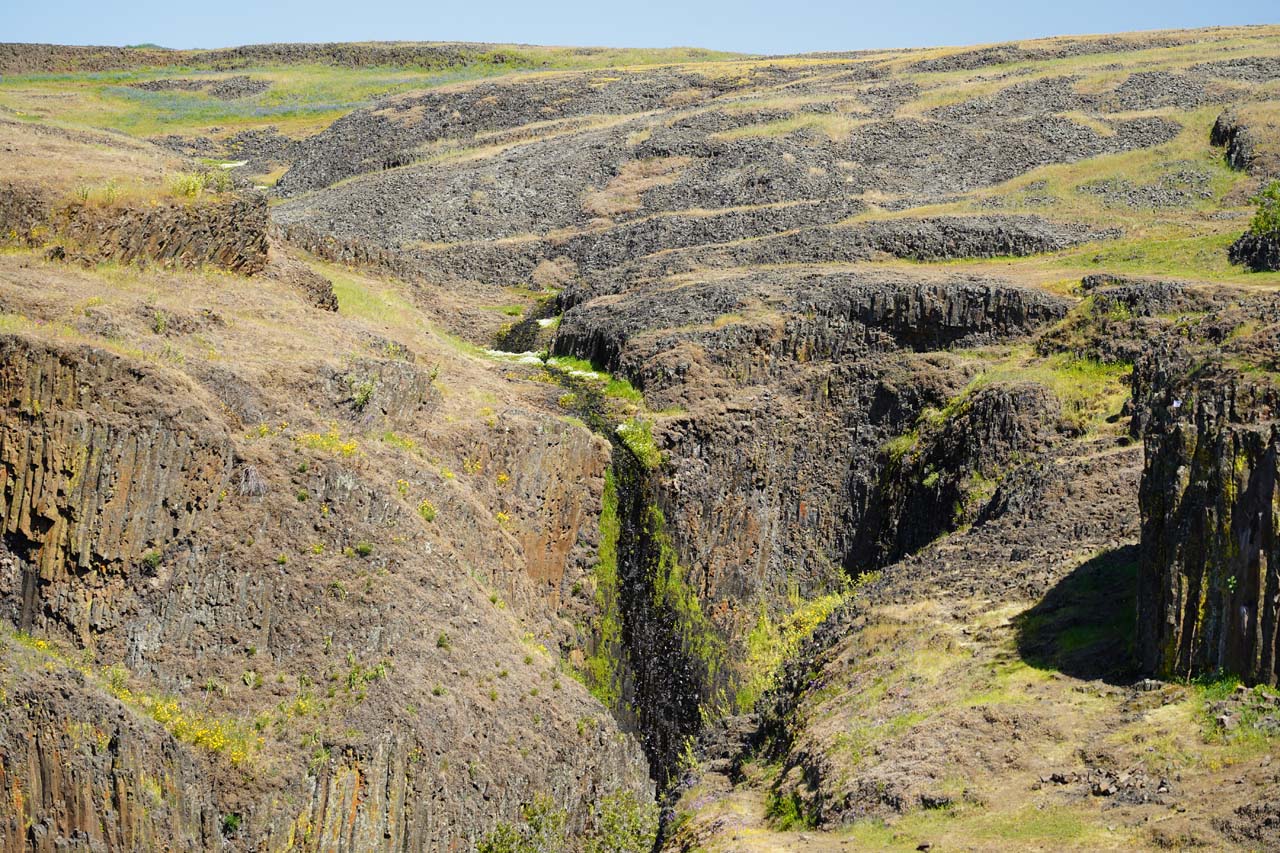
<point>761,26</point>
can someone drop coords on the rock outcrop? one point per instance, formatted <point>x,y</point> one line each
<point>90,485</point>
<point>1209,584</point>
<point>24,213</point>
<point>231,233</point>
<point>1258,252</point>
<point>1229,133</point>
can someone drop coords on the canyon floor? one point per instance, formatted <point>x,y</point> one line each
<point>487,447</point>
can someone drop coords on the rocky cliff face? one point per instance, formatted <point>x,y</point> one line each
<point>776,479</point>
<point>1208,585</point>
<point>1258,252</point>
<point>296,562</point>
<point>82,772</point>
<point>230,233</point>
<point>247,613</point>
<point>91,483</point>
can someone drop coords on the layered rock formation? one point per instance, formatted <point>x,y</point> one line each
<point>229,232</point>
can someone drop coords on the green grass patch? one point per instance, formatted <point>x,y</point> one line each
<point>604,665</point>
<point>786,812</point>
<point>636,435</point>
<point>1257,719</point>
<point>621,389</point>
<point>771,643</point>
<point>366,298</point>
<point>400,442</point>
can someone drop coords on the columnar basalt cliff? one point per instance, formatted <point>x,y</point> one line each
<point>167,570</point>
<point>97,471</point>
<point>1208,584</point>
<point>231,234</point>
<point>228,232</point>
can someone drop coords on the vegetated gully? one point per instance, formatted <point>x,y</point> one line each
<point>654,659</point>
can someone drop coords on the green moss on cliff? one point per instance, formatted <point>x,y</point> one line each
<point>671,592</point>
<point>771,643</point>
<point>637,435</point>
<point>604,666</point>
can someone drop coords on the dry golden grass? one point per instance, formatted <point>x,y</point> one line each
<point>833,127</point>
<point>623,193</point>
<point>63,160</point>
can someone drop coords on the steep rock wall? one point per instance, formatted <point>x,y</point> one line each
<point>946,471</point>
<point>82,773</point>
<point>1209,579</point>
<point>230,232</point>
<point>89,486</point>
<point>140,533</point>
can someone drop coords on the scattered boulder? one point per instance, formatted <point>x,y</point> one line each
<point>1228,132</point>
<point>1258,252</point>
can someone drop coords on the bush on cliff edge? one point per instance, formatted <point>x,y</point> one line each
<point>1259,247</point>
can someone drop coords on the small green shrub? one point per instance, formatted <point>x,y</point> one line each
<point>196,184</point>
<point>427,510</point>
<point>364,549</point>
<point>786,812</point>
<point>1266,220</point>
<point>543,831</point>
<point>623,824</point>
<point>442,641</point>
<point>637,435</point>
<point>187,185</point>
<point>230,823</point>
<point>361,392</point>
